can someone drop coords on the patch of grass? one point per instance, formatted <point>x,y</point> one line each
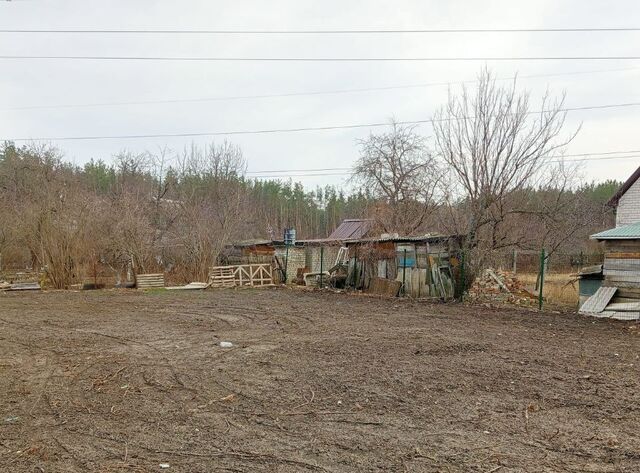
<point>559,288</point>
<point>156,291</point>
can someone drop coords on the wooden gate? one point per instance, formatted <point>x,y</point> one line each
<point>255,275</point>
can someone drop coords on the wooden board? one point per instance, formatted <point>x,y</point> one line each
<point>384,287</point>
<point>622,264</point>
<point>621,315</point>
<point>622,255</point>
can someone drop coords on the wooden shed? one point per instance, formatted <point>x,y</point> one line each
<point>619,296</point>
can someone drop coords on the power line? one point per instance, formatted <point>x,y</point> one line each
<point>326,59</point>
<point>301,129</point>
<point>322,32</point>
<point>313,173</point>
<point>300,94</point>
<point>563,156</point>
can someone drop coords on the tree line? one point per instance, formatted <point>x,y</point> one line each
<point>491,172</point>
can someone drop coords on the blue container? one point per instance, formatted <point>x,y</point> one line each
<point>289,236</point>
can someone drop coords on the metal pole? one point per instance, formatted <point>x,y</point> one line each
<point>321,266</point>
<point>404,272</point>
<point>542,258</point>
<point>515,261</point>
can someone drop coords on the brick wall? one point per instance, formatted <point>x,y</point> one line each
<point>297,259</point>
<point>628,210</point>
<point>330,253</point>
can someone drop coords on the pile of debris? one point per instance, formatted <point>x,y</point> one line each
<point>500,286</point>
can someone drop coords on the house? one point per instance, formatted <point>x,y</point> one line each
<point>619,296</point>
<point>626,201</point>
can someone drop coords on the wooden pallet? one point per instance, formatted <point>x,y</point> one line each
<point>222,276</point>
<point>148,281</point>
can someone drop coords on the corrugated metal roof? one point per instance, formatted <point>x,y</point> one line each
<point>350,229</point>
<point>626,232</point>
<point>401,239</point>
<point>253,242</point>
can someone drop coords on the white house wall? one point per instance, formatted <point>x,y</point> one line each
<point>628,210</point>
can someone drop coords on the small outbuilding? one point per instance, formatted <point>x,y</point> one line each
<point>619,296</point>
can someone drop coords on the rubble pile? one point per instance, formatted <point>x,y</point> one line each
<point>500,286</point>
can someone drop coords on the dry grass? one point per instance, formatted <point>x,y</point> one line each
<point>558,287</point>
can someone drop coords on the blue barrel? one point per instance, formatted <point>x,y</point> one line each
<point>289,236</point>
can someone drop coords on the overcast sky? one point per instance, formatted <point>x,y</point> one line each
<point>35,83</point>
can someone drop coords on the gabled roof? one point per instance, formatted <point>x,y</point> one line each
<point>351,229</point>
<point>626,232</point>
<point>613,202</point>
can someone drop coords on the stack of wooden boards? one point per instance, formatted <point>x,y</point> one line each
<point>148,281</point>
<point>603,305</point>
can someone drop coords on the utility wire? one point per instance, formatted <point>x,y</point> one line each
<point>325,59</point>
<point>301,129</point>
<point>349,171</point>
<point>310,93</point>
<point>595,158</point>
<point>336,31</point>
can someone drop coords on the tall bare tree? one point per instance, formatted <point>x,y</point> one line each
<point>496,146</point>
<point>396,167</point>
<point>212,202</point>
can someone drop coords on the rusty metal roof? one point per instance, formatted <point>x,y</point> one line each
<point>351,229</point>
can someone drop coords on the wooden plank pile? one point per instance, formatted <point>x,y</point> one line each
<point>600,305</point>
<point>148,281</point>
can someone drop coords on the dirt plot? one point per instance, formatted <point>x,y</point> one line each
<point>124,381</point>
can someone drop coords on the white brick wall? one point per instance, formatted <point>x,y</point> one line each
<point>330,253</point>
<point>628,210</point>
<point>297,259</point>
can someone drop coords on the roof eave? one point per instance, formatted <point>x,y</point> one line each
<point>613,202</point>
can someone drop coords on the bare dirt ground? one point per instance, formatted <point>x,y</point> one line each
<point>115,381</point>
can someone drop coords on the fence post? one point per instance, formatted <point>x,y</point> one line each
<point>462,274</point>
<point>542,259</point>
<point>515,261</point>
<point>404,273</point>
<point>286,263</point>
<point>321,266</point>
<point>356,272</point>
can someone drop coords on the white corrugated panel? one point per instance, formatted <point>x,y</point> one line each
<point>597,303</point>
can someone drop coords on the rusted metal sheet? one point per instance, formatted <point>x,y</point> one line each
<point>351,229</point>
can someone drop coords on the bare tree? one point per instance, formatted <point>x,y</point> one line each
<point>495,147</point>
<point>212,202</point>
<point>398,170</point>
